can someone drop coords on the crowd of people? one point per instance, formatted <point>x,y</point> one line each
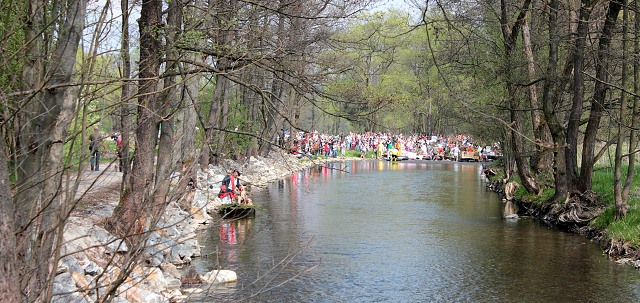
<point>437,147</point>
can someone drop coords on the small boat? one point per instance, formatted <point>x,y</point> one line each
<point>236,211</point>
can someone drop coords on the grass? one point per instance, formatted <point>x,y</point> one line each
<point>349,154</point>
<point>628,228</point>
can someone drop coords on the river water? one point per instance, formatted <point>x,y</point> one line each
<point>413,231</point>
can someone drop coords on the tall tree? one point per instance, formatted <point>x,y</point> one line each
<point>599,95</point>
<point>620,189</point>
<point>551,102</point>
<point>135,211</point>
<point>543,159</point>
<point>45,116</point>
<point>125,95</point>
<point>510,34</point>
<point>166,163</point>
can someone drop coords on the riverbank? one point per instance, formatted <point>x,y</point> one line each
<point>94,260</point>
<point>580,213</point>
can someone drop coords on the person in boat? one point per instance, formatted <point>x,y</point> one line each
<point>232,191</point>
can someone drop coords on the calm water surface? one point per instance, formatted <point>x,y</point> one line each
<point>375,231</point>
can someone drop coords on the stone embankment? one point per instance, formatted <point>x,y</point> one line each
<point>94,259</point>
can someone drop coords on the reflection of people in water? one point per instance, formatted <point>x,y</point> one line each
<point>227,233</point>
<point>233,233</point>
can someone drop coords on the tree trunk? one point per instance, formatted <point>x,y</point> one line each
<point>212,126</point>
<point>166,163</point>
<point>185,134</point>
<point>40,212</point>
<point>543,158</point>
<point>510,38</point>
<point>9,285</point>
<point>551,101</point>
<point>620,194</point>
<point>131,214</point>
<point>125,98</point>
<point>221,148</point>
<point>599,95</point>
<point>635,120</point>
<point>571,148</point>
<point>224,14</point>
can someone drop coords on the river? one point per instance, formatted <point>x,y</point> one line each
<point>413,231</point>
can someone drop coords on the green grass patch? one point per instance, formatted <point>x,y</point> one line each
<point>356,154</point>
<point>628,228</point>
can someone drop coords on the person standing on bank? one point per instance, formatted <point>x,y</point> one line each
<point>117,138</point>
<point>95,142</point>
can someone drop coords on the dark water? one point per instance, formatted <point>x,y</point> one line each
<point>374,231</point>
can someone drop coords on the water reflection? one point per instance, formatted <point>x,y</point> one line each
<point>413,231</point>
<point>232,235</point>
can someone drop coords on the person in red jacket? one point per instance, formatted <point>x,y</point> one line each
<point>231,191</point>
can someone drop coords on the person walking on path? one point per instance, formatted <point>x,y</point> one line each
<point>95,142</point>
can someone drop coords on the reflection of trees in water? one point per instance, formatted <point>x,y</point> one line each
<point>510,209</point>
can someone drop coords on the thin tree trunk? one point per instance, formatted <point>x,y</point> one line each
<point>212,125</point>
<point>510,36</point>
<point>221,148</point>
<point>578,93</point>
<point>599,95</point>
<point>544,154</point>
<point>224,13</point>
<point>166,163</point>
<point>125,98</point>
<point>186,134</point>
<point>635,120</point>
<point>620,195</point>
<point>9,285</point>
<point>131,214</point>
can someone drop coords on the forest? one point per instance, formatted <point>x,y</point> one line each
<point>188,83</point>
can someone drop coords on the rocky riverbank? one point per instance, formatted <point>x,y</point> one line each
<point>93,259</point>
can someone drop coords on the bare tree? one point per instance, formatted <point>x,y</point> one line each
<point>543,159</point>
<point>136,211</point>
<point>45,116</point>
<point>621,191</point>
<point>599,95</point>
<point>510,34</point>
<point>126,95</point>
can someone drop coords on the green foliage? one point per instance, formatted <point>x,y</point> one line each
<point>393,77</point>
<point>237,144</point>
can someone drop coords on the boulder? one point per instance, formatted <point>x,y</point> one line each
<point>220,276</point>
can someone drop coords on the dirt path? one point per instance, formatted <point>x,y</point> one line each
<point>99,186</point>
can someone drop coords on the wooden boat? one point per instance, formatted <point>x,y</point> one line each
<point>236,211</point>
